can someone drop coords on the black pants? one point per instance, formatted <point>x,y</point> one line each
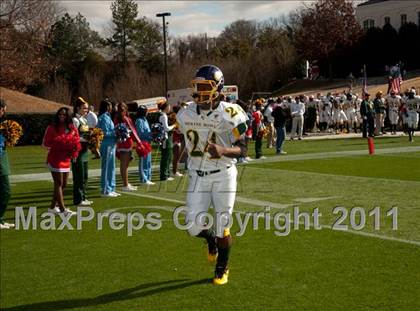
<point>258,147</point>
<point>368,126</point>
<point>165,162</point>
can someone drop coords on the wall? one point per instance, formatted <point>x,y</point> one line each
<point>391,8</point>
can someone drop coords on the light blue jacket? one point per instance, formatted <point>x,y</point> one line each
<point>143,129</point>
<point>107,126</point>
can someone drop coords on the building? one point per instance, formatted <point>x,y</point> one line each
<point>18,102</point>
<point>377,13</point>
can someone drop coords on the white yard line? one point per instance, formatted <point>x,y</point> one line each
<point>332,154</point>
<point>47,176</point>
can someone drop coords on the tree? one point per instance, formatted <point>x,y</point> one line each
<point>409,43</point>
<point>24,39</point>
<point>391,50</point>
<point>72,41</point>
<point>181,49</point>
<point>324,26</point>
<point>238,39</point>
<point>270,33</point>
<point>124,14</point>
<point>147,44</point>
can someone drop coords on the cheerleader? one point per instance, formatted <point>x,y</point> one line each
<point>4,173</point>
<point>107,150</point>
<point>145,134</point>
<point>62,140</point>
<point>125,135</point>
<point>79,167</point>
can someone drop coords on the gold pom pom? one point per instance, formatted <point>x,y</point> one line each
<point>12,131</point>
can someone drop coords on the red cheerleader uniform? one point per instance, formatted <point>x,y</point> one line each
<point>63,145</point>
<point>126,145</point>
<point>176,137</point>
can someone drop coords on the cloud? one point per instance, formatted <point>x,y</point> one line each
<point>187,17</point>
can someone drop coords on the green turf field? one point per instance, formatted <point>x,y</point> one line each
<point>31,159</point>
<point>324,269</point>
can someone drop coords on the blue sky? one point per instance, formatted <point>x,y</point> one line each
<point>187,17</point>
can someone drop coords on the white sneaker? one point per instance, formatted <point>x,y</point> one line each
<point>4,226</point>
<point>129,188</point>
<point>116,193</point>
<point>249,159</point>
<point>262,157</point>
<point>110,195</point>
<point>178,174</point>
<point>9,225</point>
<point>149,183</point>
<point>86,203</point>
<point>55,210</point>
<point>170,179</point>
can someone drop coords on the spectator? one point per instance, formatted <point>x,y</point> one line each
<point>62,140</point>
<point>280,114</point>
<point>297,112</point>
<point>107,150</point>
<point>145,162</point>
<point>79,166</point>
<point>167,145</point>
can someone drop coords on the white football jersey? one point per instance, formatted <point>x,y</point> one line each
<point>413,104</point>
<point>348,105</point>
<point>394,102</point>
<point>222,126</point>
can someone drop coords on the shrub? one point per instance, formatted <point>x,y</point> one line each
<point>34,126</point>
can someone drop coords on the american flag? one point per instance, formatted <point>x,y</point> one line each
<point>396,85</point>
<point>396,80</point>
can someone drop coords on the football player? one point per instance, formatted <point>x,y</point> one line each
<point>350,111</point>
<point>393,102</point>
<point>338,115</point>
<point>413,109</point>
<point>214,135</point>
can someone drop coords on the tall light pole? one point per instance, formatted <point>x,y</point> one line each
<point>164,49</point>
